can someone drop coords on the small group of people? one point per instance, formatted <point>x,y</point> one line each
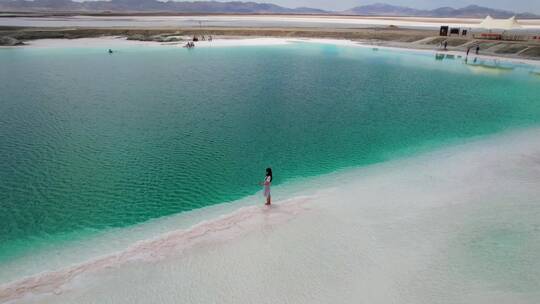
<point>444,44</point>
<point>477,49</point>
<point>469,50</point>
<point>191,44</point>
<point>203,38</point>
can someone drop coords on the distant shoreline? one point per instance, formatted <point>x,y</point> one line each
<point>389,36</point>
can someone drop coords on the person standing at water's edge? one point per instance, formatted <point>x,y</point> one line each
<point>267,182</point>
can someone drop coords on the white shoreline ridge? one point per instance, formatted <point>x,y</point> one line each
<point>435,228</point>
<point>118,41</point>
<point>250,20</point>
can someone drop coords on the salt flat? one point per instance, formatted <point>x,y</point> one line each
<point>247,20</point>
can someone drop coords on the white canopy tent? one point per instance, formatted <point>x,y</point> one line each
<point>500,24</point>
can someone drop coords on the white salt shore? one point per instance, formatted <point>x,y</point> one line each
<point>119,42</point>
<point>457,225</point>
<point>248,20</point>
<point>112,41</point>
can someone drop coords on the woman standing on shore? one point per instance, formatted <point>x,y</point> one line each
<point>267,182</point>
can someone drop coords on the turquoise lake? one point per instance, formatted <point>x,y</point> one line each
<point>91,141</point>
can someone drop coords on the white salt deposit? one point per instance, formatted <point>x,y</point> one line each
<point>247,21</point>
<point>108,42</point>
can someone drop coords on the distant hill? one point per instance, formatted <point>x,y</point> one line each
<point>471,11</point>
<point>154,6</point>
<point>382,9</point>
<point>238,7</point>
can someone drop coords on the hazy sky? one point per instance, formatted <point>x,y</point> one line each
<point>512,5</point>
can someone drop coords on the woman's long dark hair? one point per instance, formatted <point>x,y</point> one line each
<point>269,173</point>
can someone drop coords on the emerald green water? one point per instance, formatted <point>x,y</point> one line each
<point>91,141</point>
